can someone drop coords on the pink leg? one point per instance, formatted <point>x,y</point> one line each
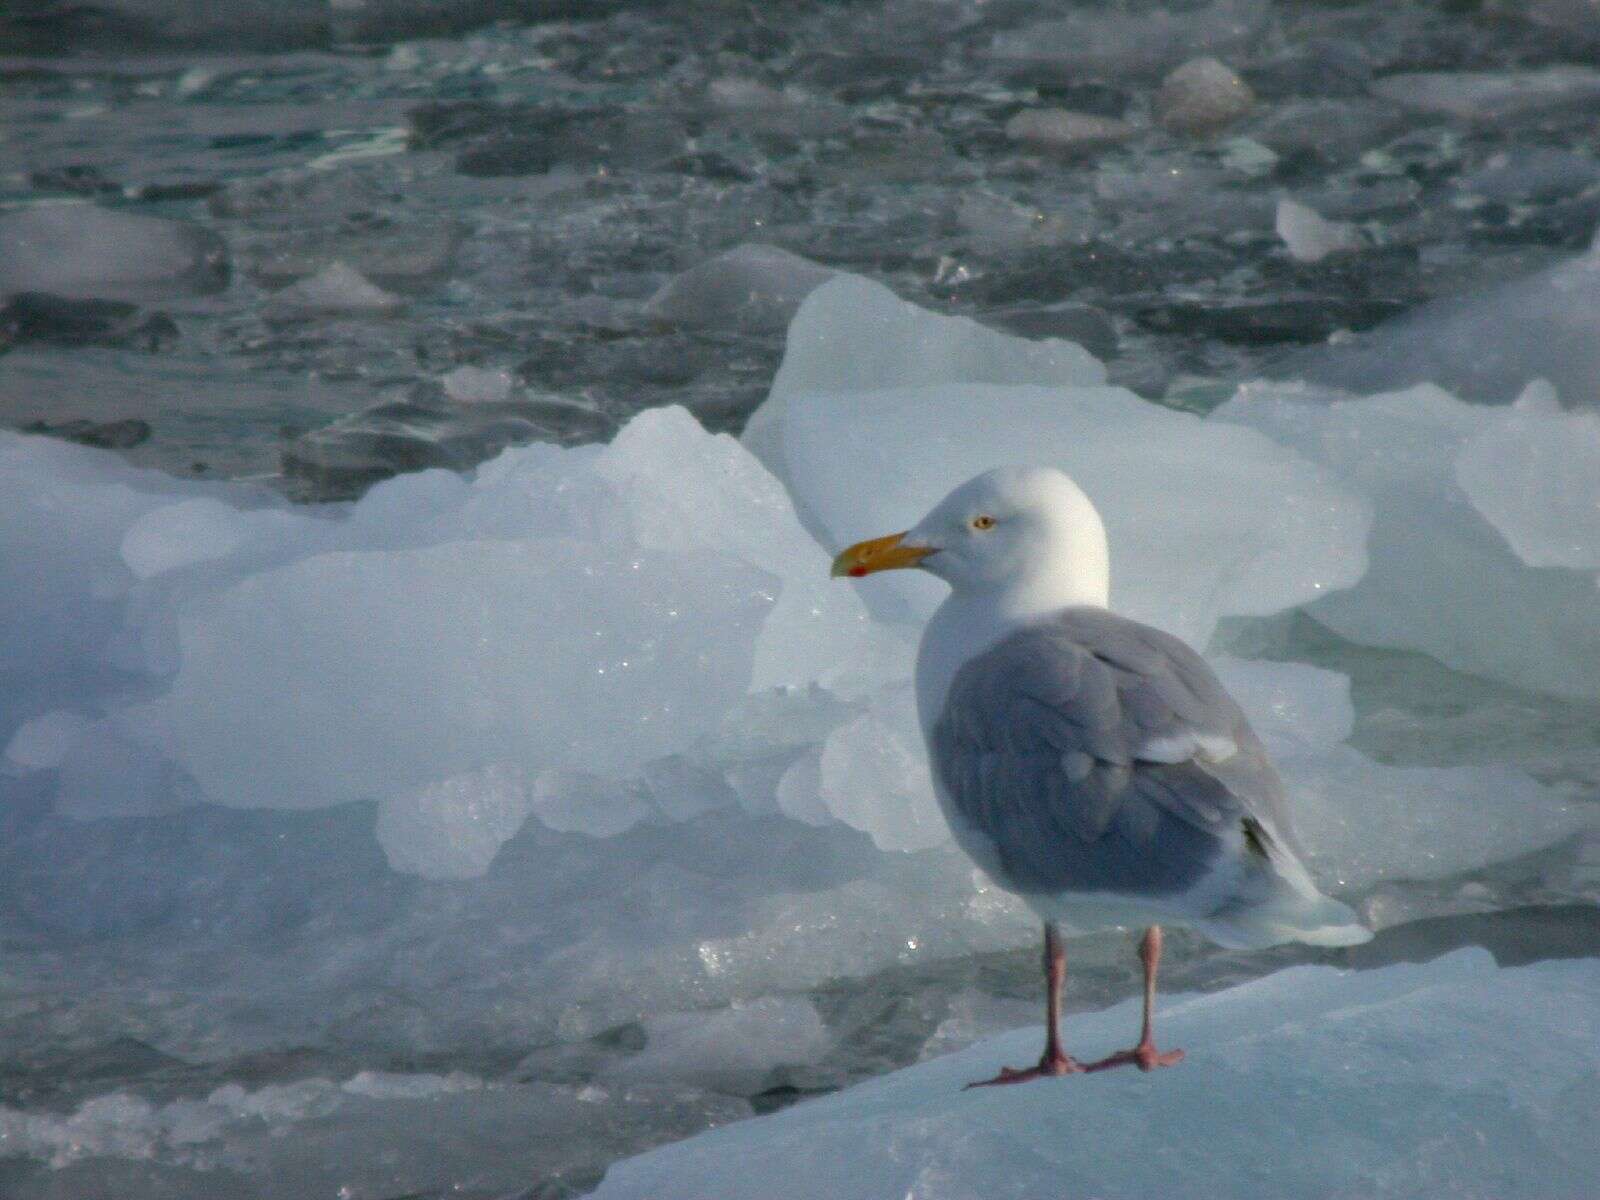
<point>1145,1056</point>
<point>1053,1061</point>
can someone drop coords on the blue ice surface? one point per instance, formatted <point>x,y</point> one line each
<point>1451,1078</point>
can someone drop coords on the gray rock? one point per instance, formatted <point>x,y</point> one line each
<point>60,321</point>
<point>83,251</point>
<point>751,288</point>
<point>106,435</point>
<point>1090,327</point>
<point>1268,320</point>
<point>1202,97</point>
<point>78,179</point>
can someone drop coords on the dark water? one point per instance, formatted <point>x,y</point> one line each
<point>522,189</point>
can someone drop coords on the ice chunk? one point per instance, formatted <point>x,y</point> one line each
<point>378,1134</point>
<point>1332,130</point>
<point>370,673</point>
<point>1487,346</point>
<point>972,1015</point>
<point>1293,706</point>
<point>860,456</point>
<point>1510,1122</point>
<point>1164,199</point>
<point>45,741</point>
<point>880,409</point>
<point>1491,96</point>
<point>751,287</point>
<point>452,829</point>
<point>799,793</point>
<point>1112,46</point>
<point>400,257</point>
<point>733,1050</point>
<point>340,289</point>
<point>1524,173</point>
<point>871,773</point>
<point>82,251</point>
<point>578,802</point>
<point>1442,578</point>
<point>891,343</point>
<point>687,490</point>
<point>62,574</point>
<point>853,335</point>
<point>106,773</point>
<point>472,385</point>
<point>752,107</point>
<point>1311,238</point>
<point>391,1085</point>
<point>1578,18</point>
<point>191,531</point>
<point>118,1125</point>
<point>1361,821</point>
<point>1533,471</point>
<point>995,224</point>
<point>1057,131</point>
<point>874,776</point>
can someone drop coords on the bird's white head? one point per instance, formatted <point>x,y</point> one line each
<point>1025,534</point>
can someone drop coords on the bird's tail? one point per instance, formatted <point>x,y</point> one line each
<point>1288,917</point>
<point>1281,903</point>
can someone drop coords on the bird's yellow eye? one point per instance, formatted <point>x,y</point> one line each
<point>983,522</point>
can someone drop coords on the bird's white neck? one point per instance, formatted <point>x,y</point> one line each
<point>971,621</point>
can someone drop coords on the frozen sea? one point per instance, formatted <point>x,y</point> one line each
<point>433,758</point>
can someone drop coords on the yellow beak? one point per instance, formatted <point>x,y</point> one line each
<point>878,554</point>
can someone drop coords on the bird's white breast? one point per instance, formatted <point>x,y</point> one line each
<point>958,632</point>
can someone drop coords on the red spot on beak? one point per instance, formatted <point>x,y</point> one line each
<point>857,572</point>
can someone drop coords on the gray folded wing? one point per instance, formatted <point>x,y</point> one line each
<point>1090,753</point>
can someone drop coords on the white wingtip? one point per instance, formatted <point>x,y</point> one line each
<point>1316,922</point>
<point>1334,935</point>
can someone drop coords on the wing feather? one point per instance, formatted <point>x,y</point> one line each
<point>1092,753</point>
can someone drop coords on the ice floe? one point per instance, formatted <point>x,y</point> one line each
<point>1408,1081</point>
<point>1445,576</point>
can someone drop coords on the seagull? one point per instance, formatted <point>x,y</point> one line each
<point>1091,764</point>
